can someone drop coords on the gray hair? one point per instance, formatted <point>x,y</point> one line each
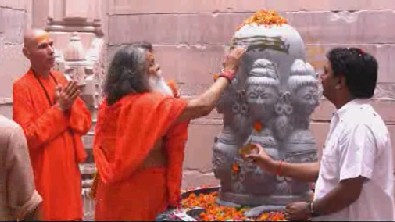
<point>126,74</point>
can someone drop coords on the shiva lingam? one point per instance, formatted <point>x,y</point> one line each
<point>279,91</point>
<point>268,103</point>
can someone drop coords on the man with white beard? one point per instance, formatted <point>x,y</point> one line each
<point>176,137</point>
<point>156,80</point>
<point>158,83</point>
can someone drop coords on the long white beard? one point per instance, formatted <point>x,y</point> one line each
<point>157,83</point>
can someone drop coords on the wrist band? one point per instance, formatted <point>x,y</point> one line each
<point>228,75</point>
<point>278,173</point>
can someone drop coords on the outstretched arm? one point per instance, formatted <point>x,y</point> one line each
<point>205,103</point>
<point>307,172</point>
<point>301,171</point>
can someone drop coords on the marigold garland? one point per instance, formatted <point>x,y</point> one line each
<point>215,212</point>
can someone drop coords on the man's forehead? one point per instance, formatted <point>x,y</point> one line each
<point>42,37</point>
<point>150,55</point>
<point>36,37</point>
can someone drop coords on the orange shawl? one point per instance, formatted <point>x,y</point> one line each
<point>140,121</point>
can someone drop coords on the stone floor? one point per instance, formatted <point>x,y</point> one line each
<point>89,205</point>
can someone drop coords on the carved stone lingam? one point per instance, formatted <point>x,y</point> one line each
<point>269,102</point>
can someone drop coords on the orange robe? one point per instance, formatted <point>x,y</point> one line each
<point>176,139</point>
<point>54,141</point>
<point>125,134</point>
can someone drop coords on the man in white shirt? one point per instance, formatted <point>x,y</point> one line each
<point>18,198</point>
<point>354,179</point>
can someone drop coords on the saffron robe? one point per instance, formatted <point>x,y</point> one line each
<point>125,134</point>
<point>176,139</point>
<point>54,142</point>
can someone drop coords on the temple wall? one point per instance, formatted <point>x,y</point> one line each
<point>189,39</point>
<point>189,36</point>
<point>15,15</point>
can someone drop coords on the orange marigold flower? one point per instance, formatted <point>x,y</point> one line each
<point>247,149</point>
<point>174,88</point>
<point>264,17</point>
<point>215,76</point>
<point>235,168</point>
<point>258,126</point>
<point>215,212</point>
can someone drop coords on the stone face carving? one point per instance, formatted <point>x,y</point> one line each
<point>269,103</point>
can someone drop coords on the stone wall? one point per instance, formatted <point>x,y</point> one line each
<point>14,17</point>
<point>189,39</point>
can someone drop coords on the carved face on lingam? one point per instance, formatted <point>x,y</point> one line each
<point>262,88</point>
<point>303,87</point>
<point>234,107</point>
<point>262,92</point>
<point>304,98</point>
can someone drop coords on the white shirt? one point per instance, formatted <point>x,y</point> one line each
<point>18,196</point>
<point>358,144</point>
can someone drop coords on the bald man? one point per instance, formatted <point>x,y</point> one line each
<point>53,118</point>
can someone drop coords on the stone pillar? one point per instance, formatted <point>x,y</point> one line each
<point>77,30</point>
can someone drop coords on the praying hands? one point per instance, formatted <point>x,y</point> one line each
<point>65,96</point>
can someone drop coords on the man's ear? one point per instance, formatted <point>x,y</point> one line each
<point>341,82</point>
<point>26,52</point>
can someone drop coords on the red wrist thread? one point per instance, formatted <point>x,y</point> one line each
<point>228,75</point>
<point>278,171</point>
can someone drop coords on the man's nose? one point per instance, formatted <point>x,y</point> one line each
<point>320,76</point>
<point>51,49</point>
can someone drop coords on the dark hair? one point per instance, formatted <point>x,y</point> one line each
<point>144,45</point>
<point>359,69</point>
<point>126,74</point>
